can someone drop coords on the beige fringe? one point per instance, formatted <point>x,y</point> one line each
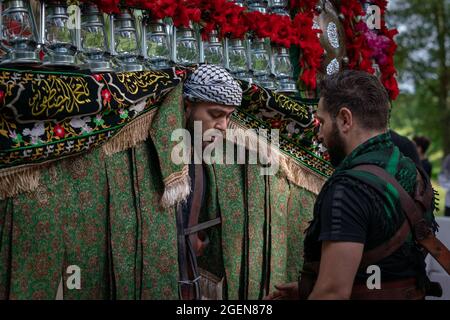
<point>294,171</point>
<point>136,131</point>
<point>301,176</point>
<point>19,180</point>
<point>177,188</point>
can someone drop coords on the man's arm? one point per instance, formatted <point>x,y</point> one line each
<point>338,266</point>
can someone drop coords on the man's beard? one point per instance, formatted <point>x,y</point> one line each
<point>336,147</point>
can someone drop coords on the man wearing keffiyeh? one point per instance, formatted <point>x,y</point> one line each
<point>210,96</point>
<point>357,211</point>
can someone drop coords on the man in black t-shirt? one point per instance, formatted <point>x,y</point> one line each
<point>356,211</point>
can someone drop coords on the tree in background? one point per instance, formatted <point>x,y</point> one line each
<point>423,63</point>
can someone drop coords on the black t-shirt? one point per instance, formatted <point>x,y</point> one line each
<point>352,211</point>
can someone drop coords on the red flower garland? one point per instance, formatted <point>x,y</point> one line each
<point>234,21</point>
<point>387,68</point>
<point>358,50</point>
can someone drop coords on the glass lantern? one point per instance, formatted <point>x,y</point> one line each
<point>18,33</point>
<point>214,49</point>
<point>282,67</point>
<point>283,71</point>
<point>260,59</point>
<point>126,48</point>
<point>187,51</point>
<point>156,44</point>
<point>93,39</point>
<point>237,60</point>
<point>60,37</point>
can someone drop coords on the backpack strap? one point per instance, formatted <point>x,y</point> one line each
<point>415,221</point>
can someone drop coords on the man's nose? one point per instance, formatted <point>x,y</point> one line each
<point>222,124</point>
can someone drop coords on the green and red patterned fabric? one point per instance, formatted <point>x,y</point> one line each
<point>103,213</point>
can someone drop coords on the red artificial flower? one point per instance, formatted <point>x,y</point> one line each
<point>106,96</point>
<point>59,131</point>
<point>276,124</point>
<point>180,73</point>
<point>109,6</point>
<point>309,78</point>
<point>97,77</point>
<point>254,88</point>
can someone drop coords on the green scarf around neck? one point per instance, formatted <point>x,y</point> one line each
<point>380,151</point>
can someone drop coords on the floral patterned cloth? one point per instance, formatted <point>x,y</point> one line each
<point>103,214</point>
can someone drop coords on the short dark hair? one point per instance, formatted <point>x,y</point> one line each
<point>360,92</point>
<point>422,142</point>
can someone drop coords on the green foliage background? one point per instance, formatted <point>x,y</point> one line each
<point>423,64</point>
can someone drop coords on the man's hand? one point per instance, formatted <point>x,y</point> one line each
<point>287,291</point>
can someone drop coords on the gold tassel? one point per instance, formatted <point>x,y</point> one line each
<point>177,188</point>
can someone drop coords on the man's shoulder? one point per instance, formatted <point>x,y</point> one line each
<point>355,180</point>
<point>348,188</point>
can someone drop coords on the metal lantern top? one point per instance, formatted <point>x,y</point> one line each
<point>214,49</point>
<point>156,27</point>
<point>124,21</point>
<point>279,7</point>
<point>186,34</point>
<point>213,38</point>
<point>257,5</point>
<point>91,17</point>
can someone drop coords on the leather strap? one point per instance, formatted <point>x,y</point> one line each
<point>202,226</point>
<point>196,207</point>
<point>185,287</point>
<point>187,243</point>
<point>416,222</point>
<point>404,289</point>
<point>386,249</point>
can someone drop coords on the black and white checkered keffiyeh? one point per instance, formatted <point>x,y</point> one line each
<point>212,83</point>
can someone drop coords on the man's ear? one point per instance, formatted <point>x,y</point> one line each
<point>345,119</point>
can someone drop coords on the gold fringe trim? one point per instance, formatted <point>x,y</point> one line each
<point>19,180</point>
<point>301,176</point>
<point>177,188</point>
<point>136,131</point>
<point>294,171</point>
